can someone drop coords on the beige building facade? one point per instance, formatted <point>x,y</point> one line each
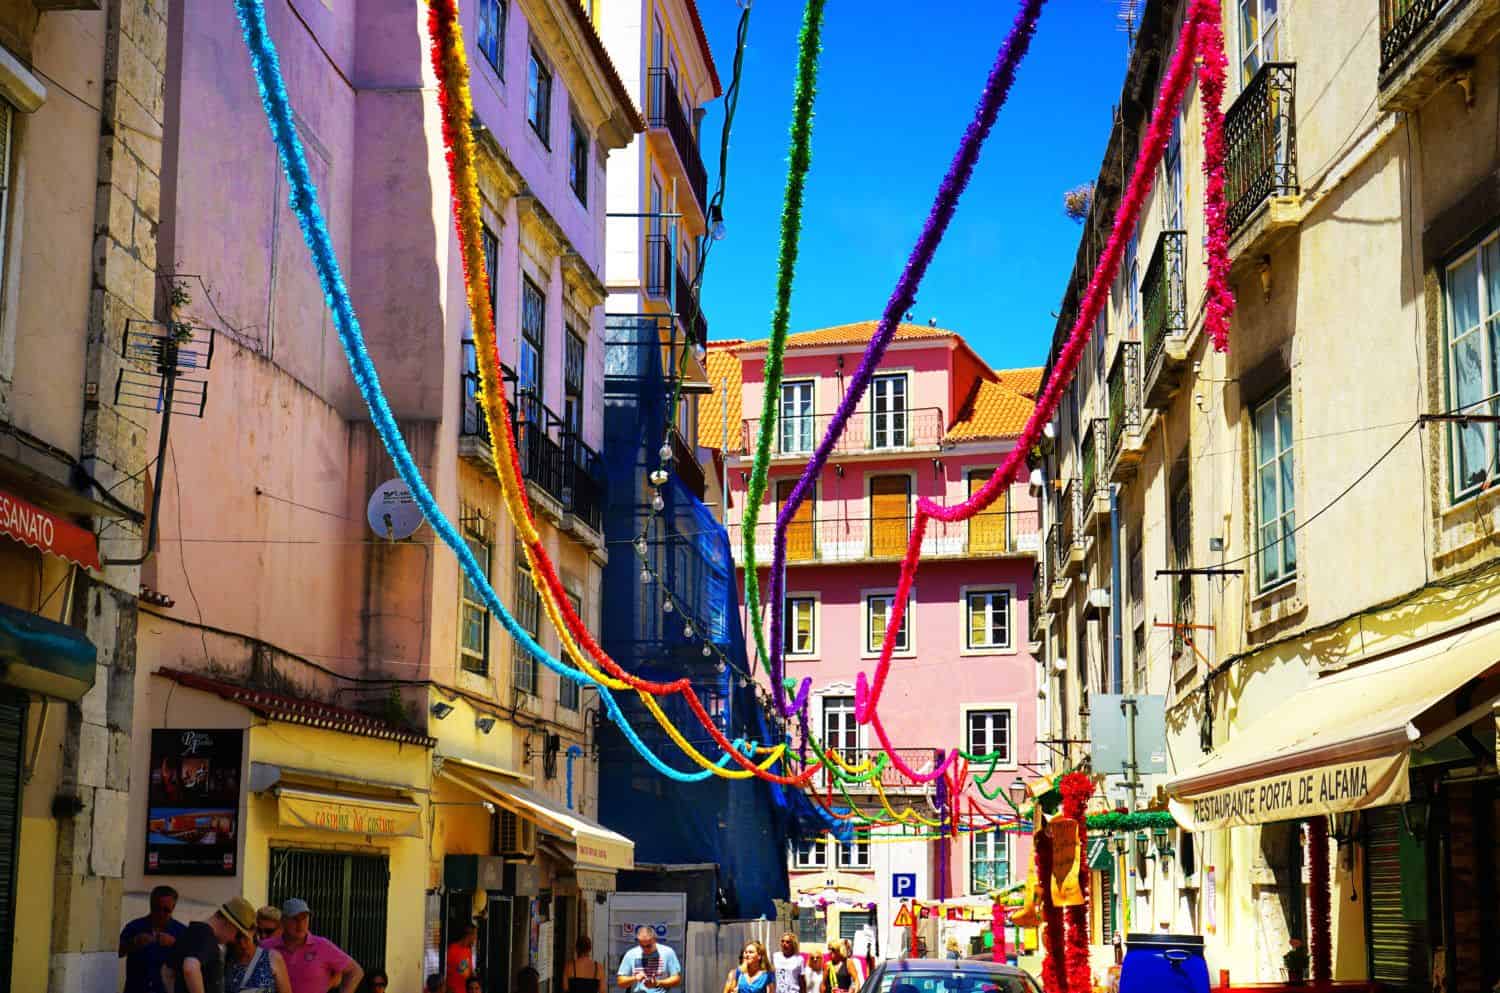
<point>1305,552</point>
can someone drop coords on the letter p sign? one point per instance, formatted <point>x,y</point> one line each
<point>904,885</point>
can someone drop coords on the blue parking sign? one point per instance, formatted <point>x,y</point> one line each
<point>904,885</point>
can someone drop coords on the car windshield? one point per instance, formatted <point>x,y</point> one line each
<point>967,981</point>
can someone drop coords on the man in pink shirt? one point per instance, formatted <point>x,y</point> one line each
<point>314,964</point>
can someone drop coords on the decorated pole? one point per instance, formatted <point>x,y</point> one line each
<point>1319,902</point>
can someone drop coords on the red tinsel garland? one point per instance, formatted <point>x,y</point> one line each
<point>1054,980</point>
<point>1319,902</point>
<point>1076,788</point>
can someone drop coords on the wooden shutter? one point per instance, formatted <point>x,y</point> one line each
<point>890,515</point>
<point>800,543</point>
<point>987,531</point>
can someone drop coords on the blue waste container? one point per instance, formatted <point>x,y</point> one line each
<point>1164,963</point>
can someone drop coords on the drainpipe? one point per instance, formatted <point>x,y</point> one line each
<point>573,752</point>
<point>1116,621</point>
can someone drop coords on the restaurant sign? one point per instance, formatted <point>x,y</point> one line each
<point>31,525</point>
<point>348,814</point>
<point>1330,789</point>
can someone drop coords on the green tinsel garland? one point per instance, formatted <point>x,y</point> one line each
<point>809,46</point>
<point>1137,821</point>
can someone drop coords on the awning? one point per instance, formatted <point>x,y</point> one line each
<point>351,813</point>
<point>597,845</point>
<point>46,531</point>
<point>1099,857</point>
<point>44,656</point>
<point>1344,742</point>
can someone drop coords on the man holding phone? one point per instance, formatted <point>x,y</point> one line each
<point>649,966</point>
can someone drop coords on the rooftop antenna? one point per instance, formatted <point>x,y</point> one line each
<point>1129,15</point>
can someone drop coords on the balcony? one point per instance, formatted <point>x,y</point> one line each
<point>1427,44</point>
<point>685,464</point>
<point>1165,326</point>
<point>1071,538</point>
<point>665,113</point>
<point>1035,612</point>
<point>1125,442</point>
<point>834,541</point>
<point>660,272</point>
<point>1058,588</point>
<point>1095,483</point>
<point>868,432</point>
<point>1260,129</point>
<point>891,780</point>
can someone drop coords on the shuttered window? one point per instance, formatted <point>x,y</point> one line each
<point>890,515</point>
<point>850,921</point>
<point>348,895</point>
<point>1395,891</point>
<point>12,734</point>
<point>801,543</point>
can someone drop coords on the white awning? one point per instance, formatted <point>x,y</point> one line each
<point>596,844</point>
<point>1344,742</point>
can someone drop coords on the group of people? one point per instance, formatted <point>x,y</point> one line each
<point>237,950</point>
<point>836,969</point>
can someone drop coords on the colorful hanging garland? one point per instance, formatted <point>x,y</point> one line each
<point>1076,789</point>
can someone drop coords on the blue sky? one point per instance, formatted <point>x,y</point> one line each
<point>895,93</point>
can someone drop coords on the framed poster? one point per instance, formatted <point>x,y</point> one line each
<point>193,800</point>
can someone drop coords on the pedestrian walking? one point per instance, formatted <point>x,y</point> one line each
<point>146,942</point>
<point>461,959</point>
<point>753,974</point>
<point>197,964</point>
<point>650,965</point>
<point>951,949</point>
<point>861,971</point>
<point>250,967</point>
<point>315,965</point>
<point>268,922</point>
<point>838,972</point>
<point>583,974</point>
<point>790,966</point>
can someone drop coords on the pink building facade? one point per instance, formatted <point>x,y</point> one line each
<point>935,423</point>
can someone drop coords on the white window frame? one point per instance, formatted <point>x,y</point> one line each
<point>1009,593</point>
<point>810,854</point>
<point>1253,49</point>
<point>813,602</point>
<point>969,710</point>
<point>485,552</point>
<point>998,843</point>
<point>502,17</point>
<point>1485,333</point>
<point>866,617</point>
<point>1283,517</point>
<point>795,433</point>
<point>893,422</point>
<point>824,712</point>
<point>538,72</point>
<point>853,855</point>
<point>1172,181</point>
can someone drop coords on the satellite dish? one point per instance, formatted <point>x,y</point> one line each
<point>393,512</point>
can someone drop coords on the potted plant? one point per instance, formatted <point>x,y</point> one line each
<point>1296,962</point>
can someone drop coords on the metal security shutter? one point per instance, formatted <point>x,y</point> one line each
<point>1399,955</point>
<point>850,921</point>
<point>1106,878</point>
<point>348,895</point>
<point>12,734</point>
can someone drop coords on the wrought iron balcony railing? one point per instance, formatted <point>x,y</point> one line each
<point>685,464</point>
<point>1164,295</point>
<point>1089,457</point>
<point>690,310</point>
<point>660,271</point>
<point>1403,25</point>
<point>867,431</point>
<point>1124,384</point>
<point>1055,552</point>
<point>664,109</point>
<point>1070,525</point>
<point>891,779</point>
<point>864,539</point>
<point>1034,603</point>
<point>1260,129</point>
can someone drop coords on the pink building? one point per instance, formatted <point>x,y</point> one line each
<point>935,423</point>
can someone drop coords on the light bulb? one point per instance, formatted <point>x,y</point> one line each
<point>640,547</point>
<point>707,651</point>
<point>687,631</point>
<point>718,231</point>
<point>657,503</point>
<point>666,606</point>
<point>700,353</point>
<point>665,452</point>
<point>658,478</point>
<point>645,577</point>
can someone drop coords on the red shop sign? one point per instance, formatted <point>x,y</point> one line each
<point>31,525</point>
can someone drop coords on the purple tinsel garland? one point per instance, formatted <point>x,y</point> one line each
<point>996,89</point>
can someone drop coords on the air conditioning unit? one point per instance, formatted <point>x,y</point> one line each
<point>517,836</point>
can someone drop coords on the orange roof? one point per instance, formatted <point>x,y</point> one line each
<point>724,373</point>
<point>851,334</point>
<point>994,410</point>
<point>1027,382</point>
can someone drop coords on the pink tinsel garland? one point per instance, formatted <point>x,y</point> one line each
<point>1202,40</point>
<point>1076,788</point>
<point>1054,980</point>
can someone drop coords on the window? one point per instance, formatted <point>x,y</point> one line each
<point>474,620</point>
<point>840,732</point>
<point>800,616</point>
<point>1275,495</point>
<point>1137,573</point>
<point>1260,36</point>
<point>1171,165</point>
<point>1472,287</point>
<point>492,33</point>
<point>529,614</point>
<point>1130,273</point>
<point>539,98</point>
<point>573,371</point>
<point>491,246</point>
<point>854,854</point>
<point>888,412</point>
<point>810,854</point>
<point>533,340</point>
<point>578,163</point>
<point>988,733</point>
<point>569,692</point>
<point>796,417</point>
<point>1138,660</point>
<point>890,515</point>
<point>989,861</point>
<point>878,609</point>
<point>1182,558</point>
<point>989,619</point>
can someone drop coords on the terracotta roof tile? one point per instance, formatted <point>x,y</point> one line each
<point>851,334</point>
<point>1027,382</point>
<point>994,411</point>
<point>725,373</point>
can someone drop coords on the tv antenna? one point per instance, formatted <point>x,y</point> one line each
<point>1129,16</point>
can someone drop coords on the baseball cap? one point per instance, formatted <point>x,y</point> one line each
<point>240,913</point>
<point>294,906</point>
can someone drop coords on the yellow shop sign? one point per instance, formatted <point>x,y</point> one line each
<point>348,813</point>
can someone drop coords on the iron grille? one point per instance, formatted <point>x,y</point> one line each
<point>1260,129</point>
<point>348,895</point>
<point>1163,296</point>
<point>1124,396</point>
<point>665,110</point>
<point>1403,23</point>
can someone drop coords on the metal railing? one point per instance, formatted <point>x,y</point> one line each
<point>664,109</point>
<point>1034,602</point>
<point>1403,23</point>
<point>867,431</point>
<point>1089,460</point>
<point>1163,295</point>
<point>690,310</point>
<point>891,779</point>
<point>660,271</point>
<point>685,464</point>
<point>1260,129</point>
<point>1124,396</point>
<point>863,539</point>
<point>1055,553</point>
<point>1069,512</point>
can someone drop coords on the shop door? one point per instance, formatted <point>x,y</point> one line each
<point>562,936</point>
<point>348,894</point>
<point>494,946</point>
<point>12,734</point>
<point>1397,913</point>
<point>890,515</point>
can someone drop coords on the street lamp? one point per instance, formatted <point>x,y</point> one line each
<point>1018,792</point>
<point>1163,841</point>
<point>1142,847</point>
<point>1121,841</point>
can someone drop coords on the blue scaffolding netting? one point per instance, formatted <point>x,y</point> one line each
<point>744,826</point>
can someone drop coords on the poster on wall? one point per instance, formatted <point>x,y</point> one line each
<point>192,812</point>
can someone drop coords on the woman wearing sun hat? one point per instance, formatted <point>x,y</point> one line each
<point>248,967</point>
